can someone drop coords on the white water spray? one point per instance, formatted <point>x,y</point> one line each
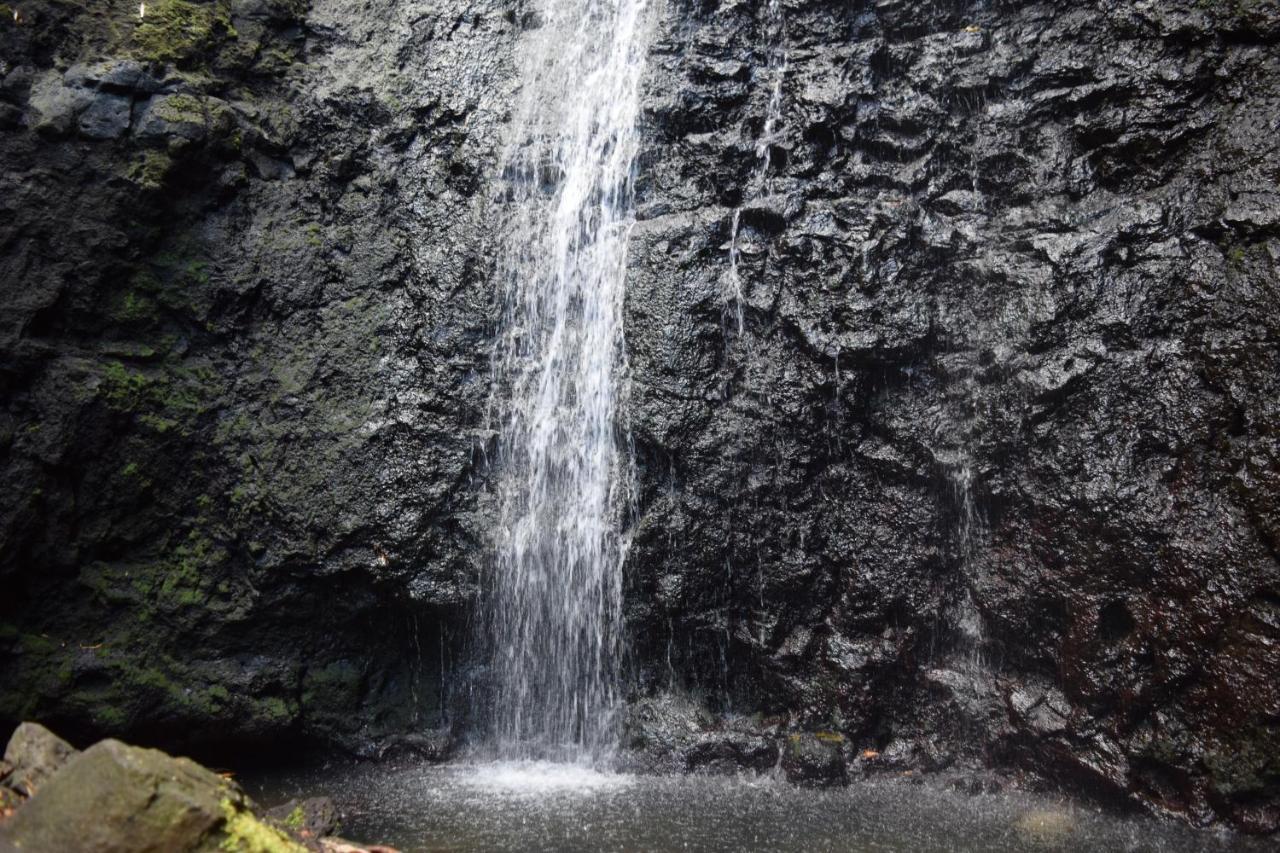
<point>554,611</point>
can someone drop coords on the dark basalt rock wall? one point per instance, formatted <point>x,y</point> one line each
<point>992,470</point>
<point>989,476</point>
<point>242,361</point>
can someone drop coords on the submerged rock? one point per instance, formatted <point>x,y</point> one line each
<point>1045,828</point>
<point>338,845</point>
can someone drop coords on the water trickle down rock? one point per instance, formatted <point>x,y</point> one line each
<point>775,72</point>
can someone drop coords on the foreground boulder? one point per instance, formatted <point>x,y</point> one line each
<point>33,755</point>
<point>115,798</point>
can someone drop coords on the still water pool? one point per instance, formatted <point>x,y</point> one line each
<point>536,806</point>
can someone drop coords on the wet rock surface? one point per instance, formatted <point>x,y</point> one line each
<point>815,758</point>
<point>990,474</point>
<point>674,734</point>
<point>241,361</point>
<point>312,818</point>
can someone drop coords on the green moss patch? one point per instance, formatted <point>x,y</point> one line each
<point>246,834</point>
<point>150,170</point>
<point>184,33</point>
<point>1248,765</point>
<point>164,399</point>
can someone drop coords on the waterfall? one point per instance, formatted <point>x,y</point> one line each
<point>776,69</point>
<point>554,605</point>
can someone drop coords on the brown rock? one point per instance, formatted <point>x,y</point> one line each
<point>34,754</point>
<point>115,798</point>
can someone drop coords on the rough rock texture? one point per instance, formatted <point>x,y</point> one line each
<point>240,359</point>
<point>991,474</point>
<point>313,817</point>
<point>32,756</point>
<point>815,758</point>
<point>115,798</point>
<point>993,470</point>
<point>669,733</point>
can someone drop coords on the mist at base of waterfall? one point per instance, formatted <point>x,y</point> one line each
<point>539,778</point>
<point>532,806</point>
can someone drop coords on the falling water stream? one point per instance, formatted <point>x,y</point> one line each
<point>555,599</point>
<point>553,610</point>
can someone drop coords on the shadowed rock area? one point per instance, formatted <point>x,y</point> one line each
<point>991,475</point>
<point>242,362</point>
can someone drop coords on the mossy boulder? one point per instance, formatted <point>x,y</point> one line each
<point>115,798</point>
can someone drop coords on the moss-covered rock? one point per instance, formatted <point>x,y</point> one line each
<point>182,32</point>
<point>313,817</point>
<point>115,797</point>
<point>242,832</point>
<point>1246,765</point>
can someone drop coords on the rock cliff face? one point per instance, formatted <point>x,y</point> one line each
<point>243,362</point>
<point>990,474</point>
<point>991,470</point>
